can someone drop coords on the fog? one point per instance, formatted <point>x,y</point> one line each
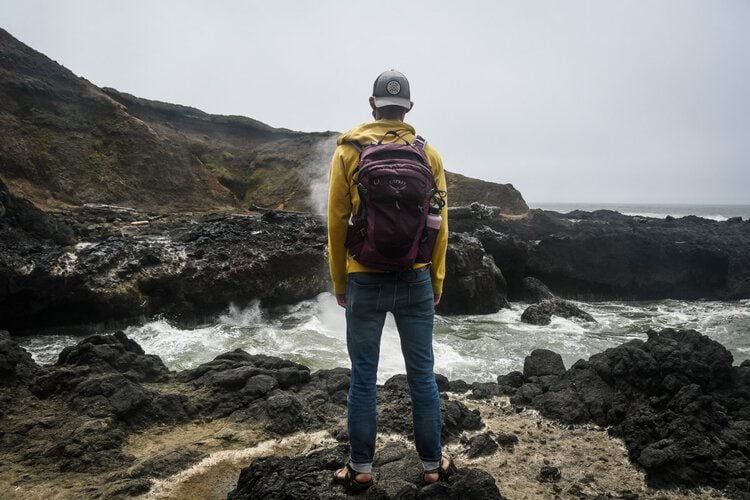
<point>578,101</point>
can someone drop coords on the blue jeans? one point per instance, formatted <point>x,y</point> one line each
<point>409,297</point>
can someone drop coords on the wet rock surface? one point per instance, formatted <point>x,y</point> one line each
<point>604,255</point>
<point>680,405</point>
<point>76,416</point>
<point>103,263</point>
<point>473,283</point>
<point>541,313</point>
<point>184,267</point>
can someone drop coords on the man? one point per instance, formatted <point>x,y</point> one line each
<point>367,294</point>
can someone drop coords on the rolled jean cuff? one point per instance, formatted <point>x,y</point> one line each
<point>431,465</point>
<point>365,468</point>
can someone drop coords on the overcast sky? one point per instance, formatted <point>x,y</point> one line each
<point>578,101</point>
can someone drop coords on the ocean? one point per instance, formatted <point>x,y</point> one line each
<point>714,212</point>
<point>472,348</point>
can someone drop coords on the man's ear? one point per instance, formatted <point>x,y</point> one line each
<point>372,103</point>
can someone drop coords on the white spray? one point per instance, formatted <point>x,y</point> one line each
<point>316,171</point>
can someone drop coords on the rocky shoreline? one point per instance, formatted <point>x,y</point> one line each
<point>677,402</point>
<point>104,264</point>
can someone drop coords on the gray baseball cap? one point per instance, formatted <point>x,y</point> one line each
<point>391,88</point>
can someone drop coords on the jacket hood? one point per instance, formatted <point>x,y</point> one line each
<point>370,132</point>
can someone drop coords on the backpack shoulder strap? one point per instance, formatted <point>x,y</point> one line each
<point>359,147</point>
<point>392,132</point>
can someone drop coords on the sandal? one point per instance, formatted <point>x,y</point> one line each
<point>350,479</point>
<point>442,472</point>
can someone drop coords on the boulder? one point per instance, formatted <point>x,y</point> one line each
<point>473,283</point>
<point>480,445</point>
<point>16,363</point>
<point>604,255</point>
<point>542,362</point>
<point>395,415</point>
<point>541,313</point>
<point>681,407</point>
<point>534,291</point>
<point>114,353</point>
<point>397,470</point>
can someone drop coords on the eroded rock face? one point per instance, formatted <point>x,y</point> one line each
<point>677,401</point>
<point>16,364</point>
<point>183,267</point>
<point>473,283</point>
<point>603,255</point>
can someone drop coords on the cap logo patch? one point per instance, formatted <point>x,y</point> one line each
<point>393,87</point>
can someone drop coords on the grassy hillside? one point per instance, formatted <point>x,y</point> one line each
<point>67,142</point>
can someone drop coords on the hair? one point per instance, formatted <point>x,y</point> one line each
<point>392,112</point>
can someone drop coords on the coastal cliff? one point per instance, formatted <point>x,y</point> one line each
<point>108,264</point>
<point>116,209</point>
<point>68,142</point>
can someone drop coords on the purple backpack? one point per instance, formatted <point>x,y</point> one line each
<point>396,189</point>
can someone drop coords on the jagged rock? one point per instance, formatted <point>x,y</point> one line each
<point>541,313</point>
<point>604,255</point>
<point>400,383</point>
<point>194,268</point>
<point>114,352</point>
<point>507,441</point>
<point>549,473</point>
<point>543,362</point>
<point>473,283</point>
<point>458,386</point>
<point>485,390</point>
<point>20,215</point>
<point>510,382</point>
<point>394,411</point>
<point>286,413</point>
<point>15,362</point>
<point>480,445</point>
<point>396,469</point>
<point>509,252</point>
<point>534,291</point>
<point>677,401</point>
<point>526,394</point>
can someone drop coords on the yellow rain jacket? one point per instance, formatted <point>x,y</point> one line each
<point>343,201</point>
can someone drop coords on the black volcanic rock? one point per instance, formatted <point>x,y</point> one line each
<point>21,216</point>
<point>395,416</point>
<point>541,313</point>
<point>473,283</point>
<point>481,445</point>
<point>604,255</point>
<point>542,362</point>
<point>397,472</point>
<point>677,401</point>
<point>16,363</point>
<point>534,291</point>
<point>116,353</point>
<point>183,267</point>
